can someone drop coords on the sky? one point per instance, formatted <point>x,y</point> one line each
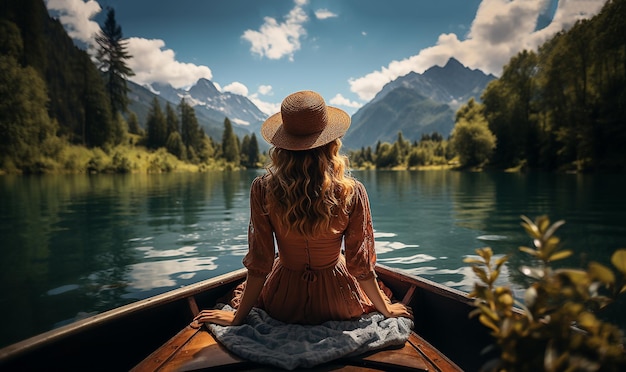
<point>346,50</point>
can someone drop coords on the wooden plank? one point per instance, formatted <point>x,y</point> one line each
<point>434,357</point>
<point>203,352</point>
<point>405,358</point>
<point>196,349</point>
<point>193,306</point>
<point>191,349</point>
<point>162,355</point>
<point>408,296</point>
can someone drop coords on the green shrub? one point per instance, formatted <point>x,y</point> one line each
<point>557,329</point>
<point>121,164</point>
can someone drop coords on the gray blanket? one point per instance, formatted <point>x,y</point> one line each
<point>289,346</point>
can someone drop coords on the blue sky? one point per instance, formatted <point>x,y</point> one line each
<point>344,49</point>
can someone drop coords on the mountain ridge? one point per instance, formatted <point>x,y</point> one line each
<point>416,104</point>
<point>210,105</point>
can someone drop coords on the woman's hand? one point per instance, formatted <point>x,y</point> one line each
<point>398,309</point>
<point>221,317</point>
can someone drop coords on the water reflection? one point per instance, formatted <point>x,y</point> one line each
<point>75,245</point>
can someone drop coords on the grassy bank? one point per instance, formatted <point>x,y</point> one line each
<point>119,159</point>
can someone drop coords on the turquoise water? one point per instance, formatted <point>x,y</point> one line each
<point>75,245</point>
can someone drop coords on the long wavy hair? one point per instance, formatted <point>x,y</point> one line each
<point>307,188</point>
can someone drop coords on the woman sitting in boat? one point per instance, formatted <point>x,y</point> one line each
<point>309,205</point>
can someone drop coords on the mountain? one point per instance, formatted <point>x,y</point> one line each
<point>416,104</point>
<point>211,106</point>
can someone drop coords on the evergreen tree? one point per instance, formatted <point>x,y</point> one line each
<point>253,152</point>
<point>156,126</point>
<point>191,133</point>
<point>112,55</point>
<point>250,151</point>
<point>171,119</point>
<point>403,145</point>
<point>133,124</point>
<point>245,145</point>
<point>230,147</point>
<point>97,127</point>
<point>175,146</point>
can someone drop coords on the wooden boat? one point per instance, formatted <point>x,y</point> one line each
<point>155,334</point>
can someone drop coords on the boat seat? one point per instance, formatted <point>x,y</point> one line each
<point>194,348</point>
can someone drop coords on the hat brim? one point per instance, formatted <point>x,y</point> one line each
<point>273,132</point>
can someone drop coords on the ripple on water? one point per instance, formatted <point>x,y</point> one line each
<point>146,276</point>
<point>62,289</point>
<point>150,252</point>
<point>492,238</point>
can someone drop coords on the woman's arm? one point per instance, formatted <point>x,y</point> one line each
<point>250,295</point>
<point>254,285</point>
<point>389,310</point>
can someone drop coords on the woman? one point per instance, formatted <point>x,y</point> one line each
<point>311,208</point>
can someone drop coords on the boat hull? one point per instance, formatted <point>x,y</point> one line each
<point>121,338</point>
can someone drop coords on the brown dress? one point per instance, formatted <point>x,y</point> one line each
<point>311,280</point>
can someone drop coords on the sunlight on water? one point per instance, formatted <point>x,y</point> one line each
<point>492,237</point>
<point>150,252</point>
<point>157,274</point>
<point>415,259</point>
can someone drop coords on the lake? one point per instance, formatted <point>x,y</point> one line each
<point>75,245</point>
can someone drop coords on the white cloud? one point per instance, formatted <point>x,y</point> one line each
<point>340,100</point>
<point>276,40</point>
<point>152,62</point>
<point>265,90</point>
<point>237,88</point>
<point>76,16</point>
<point>324,14</point>
<point>501,29</point>
<point>268,108</point>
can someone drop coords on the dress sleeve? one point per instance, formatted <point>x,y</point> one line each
<point>359,237</point>
<point>260,256</point>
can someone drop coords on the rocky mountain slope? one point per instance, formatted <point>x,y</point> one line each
<point>416,104</point>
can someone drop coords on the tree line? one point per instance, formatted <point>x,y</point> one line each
<point>430,150</point>
<point>180,134</point>
<point>560,108</point>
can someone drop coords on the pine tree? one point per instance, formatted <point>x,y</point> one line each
<point>230,147</point>
<point>112,55</point>
<point>249,151</point>
<point>156,125</point>
<point>171,119</point>
<point>133,123</point>
<point>191,133</point>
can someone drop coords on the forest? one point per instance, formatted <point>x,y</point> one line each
<point>560,108</point>
<point>64,110</point>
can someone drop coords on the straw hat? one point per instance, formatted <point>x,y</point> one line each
<point>305,122</point>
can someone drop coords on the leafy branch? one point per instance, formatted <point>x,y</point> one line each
<point>555,328</point>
